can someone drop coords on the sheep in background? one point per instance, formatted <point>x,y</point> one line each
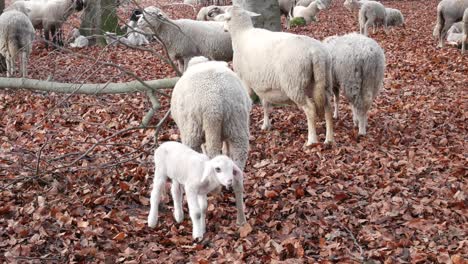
<point>394,17</point>
<point>132,23</point>
<point>358,69</point>
<point>448,12</point>
<point>77,40</point>
<point>285,7</point>
<point>193,173</point>
<point>465,30</point>
<point>308,13</point>
<point>210,105</point>
<point>282,68</point>
<point>208,13</point>
<point>186,38</point>
<point>16,36</point>
<point>306,3</point>
<point>354,5</point>
<point>370,14</point>
<point>455,34</point>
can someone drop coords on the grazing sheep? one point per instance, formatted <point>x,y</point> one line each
<point>208,13</point>
<point>448,12</point>
<point>16,36</point>
<point>354,5</point>
<point>370,14</point>
<point>186,38</point>
<point>394,17</point>
<point>465,30</point>
<point>358,69</point>
<point>282,68</point>
<point>308,13</point>
<point>193,173</point>
<point>306,3</point>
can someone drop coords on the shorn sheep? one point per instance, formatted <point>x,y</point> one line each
<point>465,30</point>
<point>16,36</point>
<point>186,38</point>
<point>371,14</point>
<point>208,13</point>
<point>448,12</point>
<point>310,12</point>
<point>394,17</point>
<point>282,68</point>
<point>358,70</point>
<point>193,173</point>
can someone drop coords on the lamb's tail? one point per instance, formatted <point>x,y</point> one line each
<point>322,82</point>
<point>440,22</point>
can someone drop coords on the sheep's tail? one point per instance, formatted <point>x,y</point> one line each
<point>322,82</point>
<point>440,22</point>
<point>372,77</point>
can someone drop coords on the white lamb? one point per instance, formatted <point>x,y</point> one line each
<point>282,68</point>
<point>186,38</point>
<point>208,13</point>
<point>371,14</point>
<point>310,12</point>
<point>193,173</point>
<point>306,3</point>
<point>394,17</point>
<point>78,41</point>
<point>16,36</point>
<point>448,12</point>
<point>358,70</point>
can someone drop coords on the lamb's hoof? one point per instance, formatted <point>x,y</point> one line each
<point>152,224</point>
<point>179,218</point>
<point>310,145</point>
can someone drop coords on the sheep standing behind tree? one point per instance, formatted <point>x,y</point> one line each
<point>371,14</point>
<point>16,36</point>
<point>282,68</point>
<point>358,69</point>
<point>186,38</point>
<point>448,12</point>
<point>210,105</point>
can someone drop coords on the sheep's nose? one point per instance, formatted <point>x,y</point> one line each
<point>229,182</point>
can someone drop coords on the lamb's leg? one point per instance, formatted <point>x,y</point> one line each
<point>177,194</point>
<point>195,214</point>
<point>362,117</point>
<point>309,110</point>
<point>355,117</point>
<point>336,101</point>
<point>328,124</point>
<point>266,110</point>
<point>158,185</point>
<point>203,202</point>
<point>366,26</point>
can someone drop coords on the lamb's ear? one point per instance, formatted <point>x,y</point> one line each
<point>238,174</point>
<point>207,171</point>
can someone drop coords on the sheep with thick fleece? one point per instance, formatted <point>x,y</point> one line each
<point>282,68</point>
<point>16,37</point>
<point>394,17</point>
<point>186,38</point>
<point>310,12</point>
<point>358,69</point>
<point>208,13</point>
<point>465,30</point>
<point>194,173</point>
<point>448,12</point>
<point>370,14</point>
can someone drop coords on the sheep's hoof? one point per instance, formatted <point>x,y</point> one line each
<point>152,224</point>
<point>197,240</point>
<point>241,221</point>
<point>359,137</point>
<point>310,145</point>
<point>266,126</point>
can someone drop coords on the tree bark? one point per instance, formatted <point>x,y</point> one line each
<point>269,10</point>
<point>2,59</point>
<point>100,16</point>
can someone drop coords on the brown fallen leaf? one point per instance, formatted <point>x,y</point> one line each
<point>245,230</point>
<point>120,236</point>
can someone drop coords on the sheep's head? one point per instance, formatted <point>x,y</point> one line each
<point>136,14</point>
<point>151,19</point>
<point>79,5</point>
<point>212,12</point>
<point>236,14</point>
<point>224,170</point>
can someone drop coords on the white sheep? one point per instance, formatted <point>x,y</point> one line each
<point>310,12</point>
<point>208,13</point>
<point>358,70</point>
<point>370,14</point>
<point>282,68</point>
<point>465,30</point>
<point>354,5</point>
<point>448,12</point>
<point>194,173</point>
<point>306,3</point>
<point>394,17</point>
<point>134,38</point>
<point>455,34</point>
<point>186,38</point>
<point>16,36</point>
<point>77,40</point>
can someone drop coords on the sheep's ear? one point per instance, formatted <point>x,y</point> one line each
<point>238,174</point>
<point>207,171</point>
<point>252,14</point>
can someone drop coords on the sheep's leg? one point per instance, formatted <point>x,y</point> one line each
<point>177,194</point>
<point>238,187</point>
<point>24,64</point>
<point>192,136</point>
<point>328,124</point>
<point>266,110</point>
<point>213,133</point>
<point>443,32</point>
<point>366,26</point>
<point>336,101</point>
<point>464,40</point>
<point>362,118</point>
<point>203,202</point>
<point>158,185</point>
<point>195,214</point>
<point>355,118</point>
<point>238,150</point>
<point>9,65</point>
<point>309,110</point>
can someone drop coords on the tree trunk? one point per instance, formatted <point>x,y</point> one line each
<point>269,10</point>
<point>2,59</point>
<point>100,16</point>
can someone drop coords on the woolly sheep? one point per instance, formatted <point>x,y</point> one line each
<point>309,12</point>
<point>186,38</point>
<point>282,68</point>
<point>193,173</point>
<point>465,30</point>
<point>455,34</point>
<point>16,36</point>
<point>394,17</point>
<point>448,12</point>
<point>354,5</point>
<point>208,13</point>
<point>370,14</point>
<point>78,41</point>
<point>306,3</point>
<point>358,69</point>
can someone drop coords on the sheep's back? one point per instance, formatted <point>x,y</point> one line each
<point>16,30</point>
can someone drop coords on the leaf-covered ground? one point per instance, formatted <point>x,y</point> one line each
<point>399,195</point>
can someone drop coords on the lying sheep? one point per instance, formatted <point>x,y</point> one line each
<point>282,68</point>
<point>308,13</point>
<point>394,17</point>
<point>358,69</point>
<point>370,14</point>
<point>78,41</point>
<point>193,173</point>
<point>448,12</point>
<point>208,13</point>
<point>455,34</point>
<point>186,38</point>
<point>465,30</point>
<point>134,38</point>
<point>16,36</point>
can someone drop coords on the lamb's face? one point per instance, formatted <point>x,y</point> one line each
<point>225,170</point>
<point>151,18</point>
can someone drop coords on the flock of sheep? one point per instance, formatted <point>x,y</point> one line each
<point>210,103</point>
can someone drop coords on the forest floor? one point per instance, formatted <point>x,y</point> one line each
<point>399,195</point>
